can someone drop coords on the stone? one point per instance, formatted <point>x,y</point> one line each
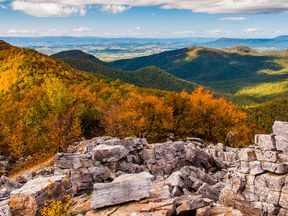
<point>247,154</point>
<point>4,208</point>
<point>158,203</point>
<point>244,167</point>
<point>269,156</point>
<point>283,158</point>
<point>283,202</point>
<point>265,142</point>
<point>175,180</point>
<point>274,182</point>
<point>273,197</point>
<point>208,191</point>
<point>225,211</point>
<point>283,212</point>
<point>32,196</point>
<point>133,144</point>
<point>73,161</point>
<point>249,193</point>
<point>81,205</point>
<point>280,128</point>
<point>205,211</point>
<point>109,153</point>
<point>255,168</point>
<point>191,203</point>
<point>274,167</point>
<point>281,143</point>
<point>201,159</point>
<point>125,188</point>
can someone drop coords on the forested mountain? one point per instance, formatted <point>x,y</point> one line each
<point>149,77</point>
<point>247,76</point>
<point>45,105</point>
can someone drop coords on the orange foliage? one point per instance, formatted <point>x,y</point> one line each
<point>139,115</point>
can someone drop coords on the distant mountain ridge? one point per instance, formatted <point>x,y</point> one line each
<point>149,77</point>
<point>280,43</point>
<point>240,72</point>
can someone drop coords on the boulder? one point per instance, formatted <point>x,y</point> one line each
<point>247,154</point>
<point>274,167</point>
<point>125,188</point>
<point>265,141</point>
<point>32,196</point>
<point>134,144</point>
<point>109,153</point>
<point>281,143</point>
<point>280,128</point>
<point>73,161</point>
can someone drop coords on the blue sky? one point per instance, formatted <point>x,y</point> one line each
<point>144,18</point>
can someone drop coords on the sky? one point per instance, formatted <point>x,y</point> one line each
<point>145,18</point>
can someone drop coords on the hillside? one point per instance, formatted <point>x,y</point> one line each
<point>46,105</point>
<point>239,72</point>
<point>148,77</point>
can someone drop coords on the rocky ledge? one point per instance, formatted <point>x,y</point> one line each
<point>112,176</point>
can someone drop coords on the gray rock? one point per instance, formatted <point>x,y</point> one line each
<point>274,167</point>
<point>133,144</point>
<point>255,167</point>
<point>73,161</point>
<point>280,128</point>
<point>282,143</point>
<point>247,154</point>
<point>123,189</point>
<point>109,153</point>
<point>266,142</point>
<point>32,196</point>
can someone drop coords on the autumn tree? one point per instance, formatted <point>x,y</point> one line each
<point>200,114</point>
<point>139,115</point>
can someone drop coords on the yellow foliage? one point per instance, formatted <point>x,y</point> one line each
<point>57,208</point>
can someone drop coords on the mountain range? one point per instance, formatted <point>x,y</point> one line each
<point>241,73</point>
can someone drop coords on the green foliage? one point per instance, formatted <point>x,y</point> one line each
<point>148,77</point>
<point>262,117</point>
<point>241,74</point>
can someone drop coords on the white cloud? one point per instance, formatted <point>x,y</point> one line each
<point>46,9</point>
<point>233,19</point>
<point>252,30</point>
<point>82,29</point>
<point>114,9</point>
<point>71,7</point>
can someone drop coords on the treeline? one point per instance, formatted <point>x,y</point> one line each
<point>262,117</point>
<point>46,105</point>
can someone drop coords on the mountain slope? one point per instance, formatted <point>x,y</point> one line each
<point>149,77</point>
<point>229,71</point>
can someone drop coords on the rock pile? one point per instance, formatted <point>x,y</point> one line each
<point>160,179</point>
<point>260,184</point>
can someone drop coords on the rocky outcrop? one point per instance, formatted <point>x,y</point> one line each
<point>27,200</point>
<point>131,177</point>
<point>260,184</point>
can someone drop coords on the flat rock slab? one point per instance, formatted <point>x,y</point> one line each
<point>159,203</point>
<point>125,188</point>
<point>33,195</point>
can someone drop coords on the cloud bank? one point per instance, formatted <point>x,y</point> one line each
<point>45,8</point>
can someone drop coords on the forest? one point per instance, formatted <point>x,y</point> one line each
<point>47,105</point>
